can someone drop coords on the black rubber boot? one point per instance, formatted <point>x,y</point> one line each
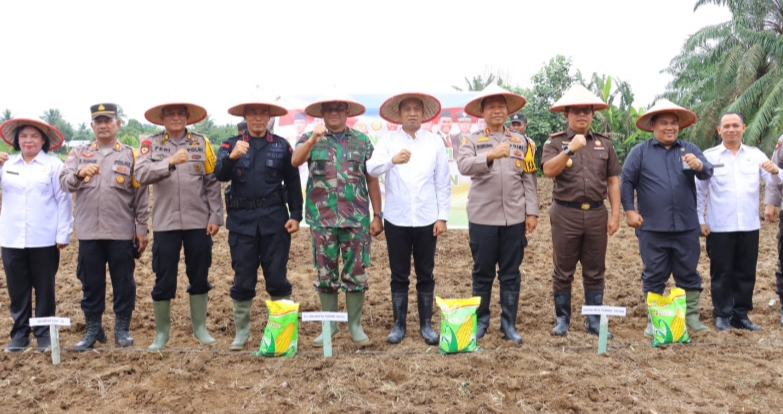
<point>425,318</point>
<point>482,314</point>
<point>595,298</point>
<point>563,313</point>
<point>94,332</point>
<point>509,305</point>
<point>400,308</point>
<point>122,336</point>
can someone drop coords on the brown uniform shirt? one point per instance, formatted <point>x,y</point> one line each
<point>585,180</point>
<point>110,205</point>
<point>187,196</point>
<point>501,194</point>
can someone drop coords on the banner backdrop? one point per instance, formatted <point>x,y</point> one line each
<point>449,125</point>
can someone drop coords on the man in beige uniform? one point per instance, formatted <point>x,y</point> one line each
<point>111,216</point>
<point>585,170</point>
<point>502,205</point>
<point>187,211</point>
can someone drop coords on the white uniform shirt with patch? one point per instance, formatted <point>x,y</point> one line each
<point>36,212</point>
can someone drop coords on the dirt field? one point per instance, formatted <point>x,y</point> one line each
<point>718,373</point>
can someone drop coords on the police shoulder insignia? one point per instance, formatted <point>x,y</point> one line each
<point>549,141</point>
<point>552,135</point>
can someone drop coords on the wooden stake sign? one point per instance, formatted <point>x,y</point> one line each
<point>326,332</point>
<point>53,323</point>
<point>605,312</point>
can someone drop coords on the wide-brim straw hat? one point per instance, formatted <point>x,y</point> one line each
<point>390,110</point>
<point>9,127</point>
<point>578,95</point>
<point>196,113</point>
<point>514,102</point>
<point>335,95</point>
<point>686,117</point>
<point>259,97</point>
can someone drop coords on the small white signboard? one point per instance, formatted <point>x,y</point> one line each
<point>54,332</point>
<point>326,319</point>
<point>603,330</point>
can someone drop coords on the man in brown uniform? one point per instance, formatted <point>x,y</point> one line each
<point>188,211</point>
<point>502,205</point>
<point>111,216</point>
<point>584,167</point>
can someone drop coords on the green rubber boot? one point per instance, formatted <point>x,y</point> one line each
<point>692,300</point>
<point>198,318</point>
<point>328,304</point>
<point>354,302</point>
<point>162,311</point>
<point>242,322</point>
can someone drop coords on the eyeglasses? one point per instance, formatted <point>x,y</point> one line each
<point>583,110</point>
<point>175,114</point>
<point>333,108</point>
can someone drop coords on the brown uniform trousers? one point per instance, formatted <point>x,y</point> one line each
<point>578,215</point>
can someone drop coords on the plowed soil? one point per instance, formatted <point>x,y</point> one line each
<point>735,371</point>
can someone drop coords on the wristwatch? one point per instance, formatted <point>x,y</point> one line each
<point>568,152</point>
<point>379,215</point>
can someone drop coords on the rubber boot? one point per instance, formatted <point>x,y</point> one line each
<point>400,310</point>
<point>242,322</point>
<point>274,298</point>
<point>692,300</point>
<point>354,302</point>
<point>122,336</point>
<point>198,319</point>
<point>328,304</point>
<point>94,332</point>
<point>162,309</point>
<point>425,318</point>
<point>18,344</point>
<point>482,313</point>
<point>509,305</point>
<point>44,343</point>
<point>595,298</point>
<point>562,312</point>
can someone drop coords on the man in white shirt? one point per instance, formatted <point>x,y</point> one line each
<point>732,222</point>
<point>418,195</point>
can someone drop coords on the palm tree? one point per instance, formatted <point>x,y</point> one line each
<point>6,115</point>
<point>735,66</point>
<point>478,83</point>
<point>51,116</point>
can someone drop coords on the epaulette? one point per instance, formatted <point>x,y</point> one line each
<point>602,136</point>
<point>552,135</point>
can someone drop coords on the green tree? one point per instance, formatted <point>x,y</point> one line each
<point>6,115</point>
<point>478,83</point>
<point>733,66</point>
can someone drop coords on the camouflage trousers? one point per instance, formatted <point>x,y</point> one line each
<point>353,244</point>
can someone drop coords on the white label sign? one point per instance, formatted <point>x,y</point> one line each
<point>603,310</point>
<point>50,321</point>
<point>324,316</point>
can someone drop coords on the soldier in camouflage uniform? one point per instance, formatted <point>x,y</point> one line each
<point>339,191</point>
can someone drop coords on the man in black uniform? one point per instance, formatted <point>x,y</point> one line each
<point>258,164</point>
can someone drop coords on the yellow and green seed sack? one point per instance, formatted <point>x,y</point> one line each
<point>282,330</point>
<point>458,324</point>
<point>668,317</point>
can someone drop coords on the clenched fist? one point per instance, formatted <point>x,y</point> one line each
<point>239,150</point>
<point>3,158</point>
<point>402,157</point>
<point>767,165</point>
<point>179,157</point>
<point>88,170</point>
<point>633,219</point>
<point>501,151</point>
<point>693,162</point>
<point>318,132</point>
<point>577,143</point>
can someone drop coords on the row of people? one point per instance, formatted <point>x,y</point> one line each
<point>264,207</point>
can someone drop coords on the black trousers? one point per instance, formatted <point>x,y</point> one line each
<point>733,258</point>
<point>779,271</point>
<point>166,246</point>
<point>669,253</point>
<point>270,250</point>
<point>501,246</point>
<point>94,255</point>
<point>25,270</point>
<point>401,242</point>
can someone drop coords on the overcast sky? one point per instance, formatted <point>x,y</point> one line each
<point>72,54</point>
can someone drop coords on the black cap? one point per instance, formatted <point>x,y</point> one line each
<point>518,117</point>
<point>445,114</point>
<point>242,126</point>
<point>104,109</point>
<point>464,115</point>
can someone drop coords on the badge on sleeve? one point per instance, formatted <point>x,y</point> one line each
<point>145,147</point>
<point>72,155</point>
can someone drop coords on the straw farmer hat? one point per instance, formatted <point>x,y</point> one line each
<point>259,97</point>
<point>9,127</point>
<point>390,110</point>
<point>578,95</point>
<point>514,102</point>
<point>686,117</point>
<point>335,95</point>
<point>196,113</point>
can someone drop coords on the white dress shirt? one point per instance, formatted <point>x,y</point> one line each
<point>418,193</point>
<point>36,212</point>
<point>732,194</point>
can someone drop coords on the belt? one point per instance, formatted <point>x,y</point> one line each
<point>275,199</point>
<point>581,206</point>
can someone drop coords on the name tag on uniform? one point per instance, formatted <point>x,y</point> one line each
<point>599,148</point>
<point>12,172</point>
<point>718,165</point>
